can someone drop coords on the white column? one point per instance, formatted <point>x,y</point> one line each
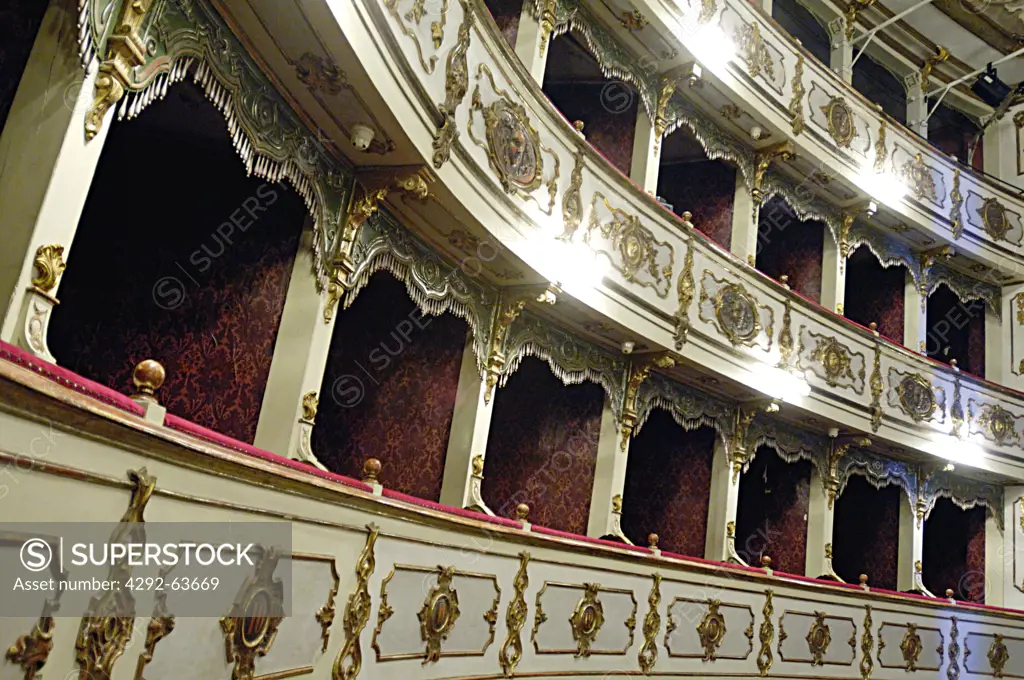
<point>532,44</point>
<point>1010,338</point>
<point>915,317</point>
<point>609,478</point>
<point>722,505</point>
<point>743,242</point>
<point>820,521</point>
<point>766,5</point>
<point>911,548</point>
<point>833,276</point>
<point>1002,147</point>
<point>1002,551</point>
<point>646,157</point>
<point>917,105</point>
<point>46,167</point>
<point>300,359</point>
<point>841,53</point>
<point>471,424</point>
<point>995,363</point>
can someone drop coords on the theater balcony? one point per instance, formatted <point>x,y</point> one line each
<point>561,339</point>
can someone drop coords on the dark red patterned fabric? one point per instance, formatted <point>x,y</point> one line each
<point>772,515</point>
<point>866,533</point>
<point>953,133</point>
<point>875,294</point>
<point>954,551</point>
<point>19,23</point>
<point>160,271</point>
<point>608,110</point>
<point>788,246</point>
<point>956,330</point>
<point>668,485</point>
<point>543,447</point>
<point>705,188</point>
<point>506,14</point>
<point>389,389</point>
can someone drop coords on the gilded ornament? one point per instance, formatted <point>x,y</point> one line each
<point>637,249</point>
<point>547,22</point>
<point>161,624</point>
<point>999,424</point>
<point>439,613</point>
<point>877,388</point>
<point>953,670</point>
<point>711,630</point>
<point>819,637</point>
<point>737,314</point>
<point>633,21</point>
<point>515,619</point>
<point>796,104</point>
<point>839,118</point>
<point>854,8</point>
<point>707,11</point>
<point>685,290</point>
<point>638,373</point>
<point>587,620</point>
<point>572,199</point>
<point>505,313</point>
<point>648,654</point>
<point>781,151</point>
<point>750,43</point>
<point>357,612</point>
<point>320,74</point>
<point>251,625</point>
<point>456,84</point>
<point>994,218</point>
<point>786,336</point>
<point>539,616</point>
<point>325,615</point>
<point>31,651</point>
<point>835,358</point>
<point>916,397</point>
<point>415,185</point>
<point>106,628</point>
<point>911,647</point>
<point>956,410</point>
<point>942,54</point>
<point>919,178</point>
<point>730,111</point>
<point>49,265</point>
<point>765,635</point>
<point>384,612</point>
<point>998,655</point>
<point>881,153</point>
<point>415,15</point>
<point>957,202</point>
<point>310,402</point>
<point>335,291</point>
<point>867,642</point>
<point>617,503</point>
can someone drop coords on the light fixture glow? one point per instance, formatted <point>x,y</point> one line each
<point>884,187</point>
<point>957,452</point>
<point>778,384</point>
<point>710,45</point>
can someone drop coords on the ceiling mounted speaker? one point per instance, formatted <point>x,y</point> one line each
<point>989,88</point>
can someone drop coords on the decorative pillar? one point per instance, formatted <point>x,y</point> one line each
<point>609,478</point>
<point>833,276</point>
<point>911,548</point>
<point>915,316</point>
<point>1010,338</point>
<point>743,242</point>
<point>291,397</point>
<point>917,105</point>
<point>1002,147</point>
<point>821,509</point>
<point>841,52</point>
<point>48,167</point>
<point>534,37</point>
<point>720,542</point>
<point>1003,549</point>
<point>649,133</point>
<point>994,361</point>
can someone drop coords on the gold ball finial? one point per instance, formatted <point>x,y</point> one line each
<point>148,376</point>
<point>522,512</point>
<point>578,125</point>
<point>952,362</point>
<point>873,326</point>
<point>863,579</point>
<point>766,562</point>
<point>784,280</point>
<point>652,541</point>
<point>949,593</point>
<point>687,216</point>
<point>371,471</point>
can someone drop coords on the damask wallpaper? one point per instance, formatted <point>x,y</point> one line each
<point>20,21</point>
<point>788,246</point>
<point>772,515</point>
<point>954,551</point>
<point>668,485</point>
<point>706,189</point>
<point>608,111</point>
<point>542,448</point>
<point>389,389</point>
<point>956,330</point>
<point>875,294</point>
<point>189,267</point>
<point>506,14</point>
<point>865,538</point>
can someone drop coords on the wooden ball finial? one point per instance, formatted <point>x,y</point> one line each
<point>766,562</point>
<point>148,376</point>
<point>949,593</point>
<point>371,471</point>
<point>863,579</point>
<point>522,512</point>
<point>652,541</point>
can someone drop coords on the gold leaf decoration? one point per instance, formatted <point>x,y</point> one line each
<point>357,612</point>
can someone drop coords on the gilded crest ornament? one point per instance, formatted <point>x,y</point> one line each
<point>754,50</point>
<point>736,311</point>
<point>999,424</point>
<point>349,661</point>
<point>998,655</point>
<point>439,614</point>
<point>515,619</point>
<point>513,146</point>
<point>766,633</point>
<point>834,358</point>
<point>911,647</point>
<point>919,178</point>
<point>251,626</point>
<point>587,620</point>
<point>818,639</point>
<point>648,654</point>
<point>839,119</point>
<point>638,251</point>
<point>49,265</point>
<point>711,630</point>
<point>916,397</point>
<point>320,74</point>
<point>994,218</point>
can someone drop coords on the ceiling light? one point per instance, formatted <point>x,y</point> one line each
<point>989,88</point>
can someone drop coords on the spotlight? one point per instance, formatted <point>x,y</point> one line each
<point>989,88</point>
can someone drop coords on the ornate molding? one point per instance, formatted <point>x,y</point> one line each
<point>711,630</point>
<point>357,612</point>
<point>796,103</point>
<point>161,624</point>
<point>766,634</point>
<point>689,407</point>
<point>251,625</point>
<point>587,619</point>
<point>439,613</point>
<point>634,252</point>
<point>49,265</point>
<point>648,654</point>
<point>685,291</point>
<point>456,85</point>
<point>515,619</point>
<point>638,372</point>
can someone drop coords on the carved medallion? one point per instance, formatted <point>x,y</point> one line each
<point>834,358</point>
<point>711,630</point>
<point>736,310</point>
<point>999,423</point>
<point>993,216</point>
<point>839,118</point>
<point>587,620</point>
<point>513,146</point>
<point>251,626</point>
<point>911,647</point>
<point>919,178</point>
<point>818,639</point>
<point>439,614</point>
<point>916,397</point>
<point>998,655</point>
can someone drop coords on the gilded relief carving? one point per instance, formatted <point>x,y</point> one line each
<point>752,46</point>
<point>819,637</point>
<point>839,118</point>
<point>251,625</point>
<point>32,650</point>
<point>877,388</point>
<point>737,313</point>
<point>439,613</point>
<point>916,397</point>
<point>357,612</point>
<point>956,204</point>
<point>515,619</point>
<point>786,336</point>
<point>161,624</point>
<point>711,630</point>
<point>881,153</point>
<point>911,647</point>
<point>994,422</point>
<point>867,643</point>
<point>648,654</point>
<point>953,670</point>
<point>998,655</point>
<point>572,199</point>
<point>415,15</point>
<point>765,635</point>
<point>919,178</point>
<point>635,252</point>
<point>994,218</point>
<point>456,85</point>
<point>796,104</point>
<point>587,620</point>
<point>685,290</point>
<point>49,265</point>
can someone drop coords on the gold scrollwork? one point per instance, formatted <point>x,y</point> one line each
<point>836,359</point>
<point>867,642</point>
<point>685,290</point>
<point>993,217</point>
<point>786,336</point>
<point>587,619</point>
<point>957,201</point>
<point>877,388</point>
<point>819,637</point>
<point>515,619</point>
<point>953,671</point>
<point>997,423</point>
<point>911,647</point>
<point>998,655</point>
<point>415,15</point>
<point>456,85</point>
<point>707,11</point>
<point>916,397</point>
<point>765,635</point>
<point>635,245</point>
<point>49,265</point>
<point>357,612</point>
<point>310,402</point>
<point>31,651</point>
<point>439,613</point>
<point>161,624</point>
<point>737,312</point>
<point>384,612</point>
<point>919,178</point>
<point>751,44</point>
<point>796,104</point>
<point>881,153</point>
<point>839,120</point>
<point>251,625</point>
<point>711,630</point>
<point>648,654</point>
<point>572,199</point>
